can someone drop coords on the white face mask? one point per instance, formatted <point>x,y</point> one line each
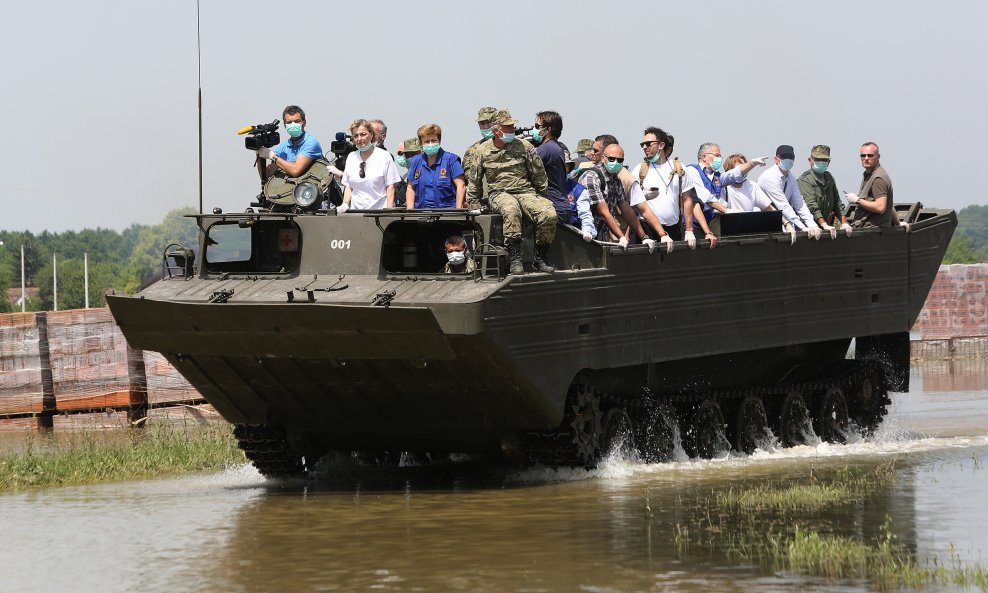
<point>456,257</point>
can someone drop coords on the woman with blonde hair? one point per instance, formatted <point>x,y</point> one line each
<point>369,174</point>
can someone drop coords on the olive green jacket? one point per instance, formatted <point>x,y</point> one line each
<point>822,197</point>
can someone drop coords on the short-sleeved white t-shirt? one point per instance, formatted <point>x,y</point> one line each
<point>370,191</point>
<point>665,192</point>
<point>747,198</point>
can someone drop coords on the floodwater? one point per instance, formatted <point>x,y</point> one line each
<point>467,527</point>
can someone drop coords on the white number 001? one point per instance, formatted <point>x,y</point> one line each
<point>339,244</point>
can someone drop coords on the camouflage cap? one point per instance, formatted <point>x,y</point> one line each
<point>820,151</point>
<point>486,113</point>
<point>584,144</point>
<point>413,145</point>
<point>503,118</point>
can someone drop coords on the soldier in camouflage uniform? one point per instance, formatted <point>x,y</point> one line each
<point>516,184</point>
<point>484,117</point>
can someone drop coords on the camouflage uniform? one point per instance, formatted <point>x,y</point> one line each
<point>517,184</point>
<point>470,157</point>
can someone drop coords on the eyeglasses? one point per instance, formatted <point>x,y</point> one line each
<point>865,155</point>
<point>648,143</point>
<point>363,169</point>
<point>615,159</point>
<point>594,150</point>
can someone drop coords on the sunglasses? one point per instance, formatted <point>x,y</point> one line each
<point>615,159</point>
<point>648,143</point>
<point>363,169</point>
<point>868,156</point>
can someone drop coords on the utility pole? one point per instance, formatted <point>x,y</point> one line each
<point>23,296</point>
<point>54,275</point>
<point>85,272</point>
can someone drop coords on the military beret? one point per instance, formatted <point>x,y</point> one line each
<point>503,118</point>
<point>486,113</point>
<point>584,144</point>
<point>413,145</point>
<point>820,151</point>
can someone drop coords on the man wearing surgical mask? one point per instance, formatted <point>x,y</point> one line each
<point>296,154</point>
<point>780,185</point>
<point>456,256</point>
<point>470,156</point>
<point>819,190</point>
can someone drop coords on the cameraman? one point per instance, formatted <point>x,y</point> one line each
<point>295,155</point>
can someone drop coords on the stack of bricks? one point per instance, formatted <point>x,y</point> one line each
<point>20,366</point>
<point>954,320</point>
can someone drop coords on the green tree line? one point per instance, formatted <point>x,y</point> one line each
<point>118,261</point>
<point>970,242</point>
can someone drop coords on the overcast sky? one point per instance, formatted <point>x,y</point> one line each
<point>99,97</point>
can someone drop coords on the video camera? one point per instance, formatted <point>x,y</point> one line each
<point>261,135</point>
<point>341,147</point>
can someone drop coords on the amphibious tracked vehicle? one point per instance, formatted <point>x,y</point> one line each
<point>317,332</point>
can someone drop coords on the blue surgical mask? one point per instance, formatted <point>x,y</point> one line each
<point>820,166</point>
<point>430,149</point>
<point>613,166</point>
<point>716,163</point>
<point>402,161</point>
<point>786,164</point>
<point>294,129</point>
<point>369,146</point>
<point>486,134</point>
<point>575,173</point>
<point>536,135</point>
<point>508,138</point>
<point>655,158</point>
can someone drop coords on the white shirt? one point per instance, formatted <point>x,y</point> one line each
<point>747,198</point>
<point>783,190</point>
<point>661,191</point>
<point>694,182</point>
<point>370,191</point>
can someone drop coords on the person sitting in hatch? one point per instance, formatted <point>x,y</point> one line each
<point>456,253</point>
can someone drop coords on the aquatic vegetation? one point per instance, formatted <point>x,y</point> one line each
<point>762,524</point>
<point>89,456</point>
<point>846,485</point>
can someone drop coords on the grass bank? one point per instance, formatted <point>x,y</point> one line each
<point>784,526</point>
<point>89,456</point>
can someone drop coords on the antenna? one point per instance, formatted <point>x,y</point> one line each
<point>199,73</point>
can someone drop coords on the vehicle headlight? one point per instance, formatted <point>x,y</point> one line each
<point>305,194</point>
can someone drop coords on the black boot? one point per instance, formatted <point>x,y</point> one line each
<point>542,258</point>
<point>515,266</point>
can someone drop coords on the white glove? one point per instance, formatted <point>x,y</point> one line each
<point>587,236</point>
<point>334,171</point>
<point>342,207</point>
<point>265,153</point>
<point>475,212</point>
<point>813,232</point>
<point>846,228</point>
<point>760,161</point>
<point>904,225</point>
<point>852,198</point>
<point>831,230</point>
<point>791,229</point>
<point>668,242</point>
<point>690,239</point>
<point>623,242</point>
<point>650,243</point>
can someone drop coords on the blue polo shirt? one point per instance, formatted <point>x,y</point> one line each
<point>290,150</point>
<point>433,185</point>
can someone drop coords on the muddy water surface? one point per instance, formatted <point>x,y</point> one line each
<point>467,527</point>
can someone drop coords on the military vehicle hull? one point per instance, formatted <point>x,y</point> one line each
<point>340,333</point>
